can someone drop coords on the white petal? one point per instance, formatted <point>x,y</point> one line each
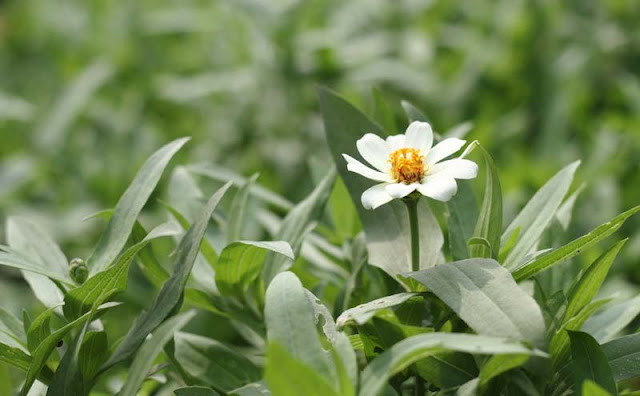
<point>375,150</point>
<point>400,190</point>
<point>444,149</point>
<point>375,196</point>
<point>358,167</point>
<point>395,142</point>
<point>419,136</point>
<point>456,168</point>
<point>440,188</point>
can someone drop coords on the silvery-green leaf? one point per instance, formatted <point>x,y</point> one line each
<point>624,356</point>
<point>363,312</point>
<point>604,325</point>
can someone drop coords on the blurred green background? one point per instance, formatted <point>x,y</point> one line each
<point>90,88</point>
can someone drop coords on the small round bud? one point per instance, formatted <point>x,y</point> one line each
<point>78,270</point>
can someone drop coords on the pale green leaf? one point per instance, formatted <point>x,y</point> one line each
<point>489,225</point>
<point>238,210</point>
<point>606,324</point>
<point>363,312</point>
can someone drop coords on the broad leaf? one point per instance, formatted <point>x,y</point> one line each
<point>129,207</point>
<point>624,356</point>
<point>537,214</point>
<point>150,349</point>
<point>485,296</point>
<point>170,296</point>
<point>93,353</point>
<point>363,312</point>
<point>412,349</point>
<point>499,364</point>
<point>240,264</point>
<point>590,363</point>
<point>573,248</point>
<point>606,324</point>
<point>214,363</point>
<point>386,228</point>
<point>463,212</point>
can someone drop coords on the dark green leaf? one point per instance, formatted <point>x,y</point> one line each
<point>624,356</point>
<point>590,363</point>
<point>463,212</point>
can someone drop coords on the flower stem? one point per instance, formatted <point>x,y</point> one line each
<point>412,208</point>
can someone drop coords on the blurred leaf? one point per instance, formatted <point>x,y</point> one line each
<point>497,365</point>
<point>12,331</point>
<point>254,389</point>
<point>589,284</point>
<point>573,248</point>
<point>238,210</point>
<point>412,349</point>
<point>489,225</point>
<point>463,211</point>
<point>79,300</point>
<point>590,363</point>
<point>382,112</point>
<point>624,356</point>
<point>604,325</point>
<point>590,388</point>
<point>129,207</point>
<point>195,391</point>
<point>240,264</point>
<point>484,295</point>
<point>214,363</point>
<point>412,112</point>
<point>287,376</point>
<point>386,228</point>
<point>292,229</point>
<point>537,214</point>
<point>12,258</point>
<point>150,349</point>
<point>170,296</point>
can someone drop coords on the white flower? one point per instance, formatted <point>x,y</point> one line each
<point>406,163</point>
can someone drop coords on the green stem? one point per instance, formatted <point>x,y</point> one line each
<point>412,209</point>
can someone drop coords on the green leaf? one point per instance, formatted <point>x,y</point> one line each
<point>12,331</point>
<point>13,258</point>
<point>463,211</point>
<point>573,248</point>
<point>147,261</point>
<point>412,349</point>
<point>238,210</point>
<point>485,296</point>
<point>42,352</point>
<point>605,325</point>
<point>254,389</point>
<point>499,364</point>
<point>18,358</point>
<point>489,225</point>
<point>412,112</point>
<point>214,363</point>
<point>94,351</point>
<point>537,214</point>
<point>150,349</point>
<point>624,356</point>
<point>590,363</point>
<point>386,228</point>
<point>195,391</point>
<point>78,301</point>
<point>240,264</point>
<point>129,207</point>
<point>587,287</point>
<point>290,321</point>
<point>292,229</point>
<point>39,329</point>
<point>382,112</point>
<point>287,376</point>
<point>590,388</point>
<point>363,312</point>
<point>170,296</point>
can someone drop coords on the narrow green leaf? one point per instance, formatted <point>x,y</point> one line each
<point>290,321</point>
<point>489,225</point>
<point>605,325</point>
<point>287,376</point>
<point>150,349</point>
<point>463,212</point>
<point>387,227</point>
<point>363,312</point>
<point>508,246</point>
<point>412,349</point>
<point>412,112</point>
<point>499,364</point>
<point>170,296</point>
<point>13,258</point>
<point>79,300</point>
<point>214,363</point>
<point>129,207</point>
<point>296,222</point>
<point>238,210</point>
<point>590,363</point>
<point>39,329</point>
<point>18,358</point>
<point>587,287</point>
<point>573,248</point>
<point>537,214</point>
<point>240,264</point>
<point>382,112</point>
<point>12,331</point>
<point>624,356</point>
<point>485,296</point>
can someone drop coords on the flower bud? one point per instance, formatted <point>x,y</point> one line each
<point>78,270</point>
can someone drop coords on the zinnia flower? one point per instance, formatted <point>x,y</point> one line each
<point>407,163</point>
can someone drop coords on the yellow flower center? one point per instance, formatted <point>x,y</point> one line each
<point>407,165</point>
